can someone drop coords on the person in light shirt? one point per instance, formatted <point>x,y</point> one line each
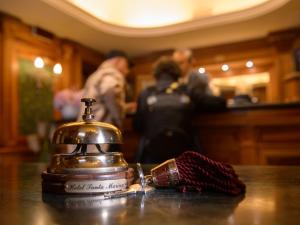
<point>107,86</point>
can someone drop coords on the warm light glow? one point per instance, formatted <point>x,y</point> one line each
<point>138,13</point>
<point>227,6</point>
<point>201,70</point>
<point>225,67</point>
<point>104,214</point>
<point>39,62</point>
<point>57,69</point>
<point>249,64</point>
<point>253,79</point>
<point>158,13</point>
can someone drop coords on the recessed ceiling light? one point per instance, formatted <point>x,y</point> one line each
<point>249,64</point>
<point>225,67</point>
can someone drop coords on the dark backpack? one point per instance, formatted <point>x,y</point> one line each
<point>167,124</point>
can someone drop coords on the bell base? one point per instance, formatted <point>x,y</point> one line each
<point>94,163</point>
<point>96,183</point>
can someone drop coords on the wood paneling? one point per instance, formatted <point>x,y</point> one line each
<point>292,87</point>
<point>18,41</point>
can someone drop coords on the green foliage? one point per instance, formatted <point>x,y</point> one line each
<point>35,96</point>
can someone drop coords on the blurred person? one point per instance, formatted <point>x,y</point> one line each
<point>107,86</point>
<point>184,58</point>
<point>67,102</point>
<point>193,78</point>
<point>197,84</point>
<point>163,115</point>
<point>243,100</point>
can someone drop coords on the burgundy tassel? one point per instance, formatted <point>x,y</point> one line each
<point>203,174</point>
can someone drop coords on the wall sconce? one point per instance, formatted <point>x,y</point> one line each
<point>39,62</point>
<point>57,69</point>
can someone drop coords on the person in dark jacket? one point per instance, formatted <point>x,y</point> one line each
<point>165,113</point>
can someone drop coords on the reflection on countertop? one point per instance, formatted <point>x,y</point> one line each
<point>272,197</point>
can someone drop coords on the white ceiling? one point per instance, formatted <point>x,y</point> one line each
<point>141,14</point>
<point>76,27</point>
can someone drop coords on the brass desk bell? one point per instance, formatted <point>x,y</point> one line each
<point>81,172</point>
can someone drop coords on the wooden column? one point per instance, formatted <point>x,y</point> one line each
<point>292,79</point>
<point>1,86</point>
<point>284,73</point>
<point>8,98</point>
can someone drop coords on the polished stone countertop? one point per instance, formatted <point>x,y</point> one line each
<point>272,197</point>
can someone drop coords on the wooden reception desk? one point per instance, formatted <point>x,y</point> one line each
<point>259,134</point>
